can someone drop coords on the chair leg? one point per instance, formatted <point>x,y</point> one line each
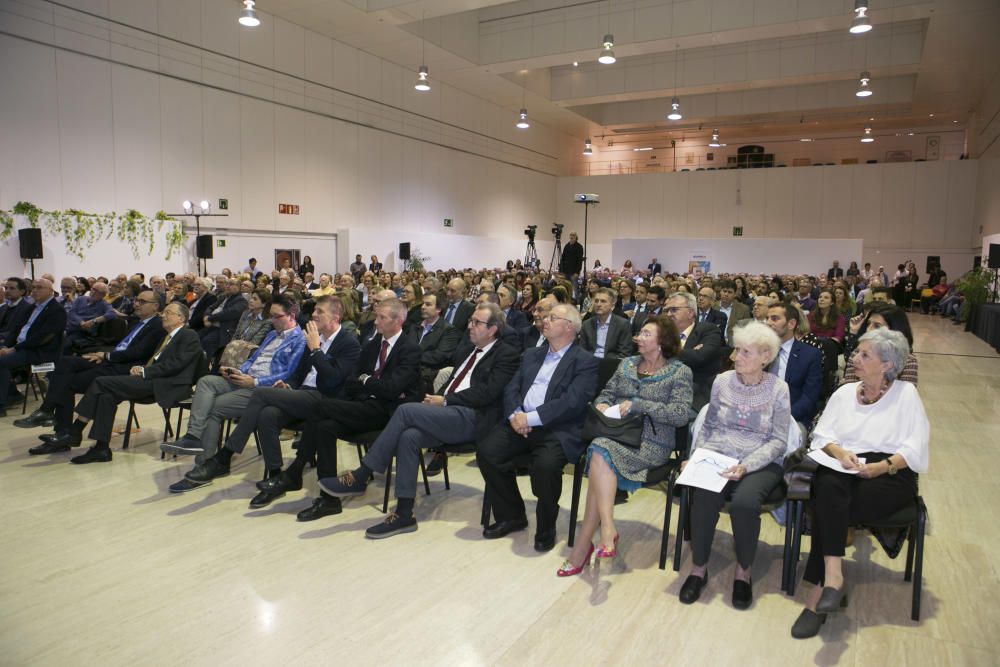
<point>423,472</point>
<point>256,441</point>
<point>793,562</point>
<point>681,533</point>
<point>168,430</point>
<point>444,468</point>
<point>128,424</point>
<point>786,554</point>
<point>665,536</point>
<point>918,574</point>
<point>388,485</point>
<point>574,507</point>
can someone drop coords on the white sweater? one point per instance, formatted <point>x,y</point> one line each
<point>895,424</point>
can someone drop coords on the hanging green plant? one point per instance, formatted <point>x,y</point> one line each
<point>81,230</point>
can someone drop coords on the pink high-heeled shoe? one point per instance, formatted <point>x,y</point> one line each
<point>570,570</point>
<point>604,552</point>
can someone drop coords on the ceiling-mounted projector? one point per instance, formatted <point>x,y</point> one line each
<point>587,198</point>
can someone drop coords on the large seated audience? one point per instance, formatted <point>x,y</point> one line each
<point>507,363</point>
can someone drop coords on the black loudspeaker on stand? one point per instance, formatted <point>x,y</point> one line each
<point>404,251</point>
<point>30,242</point>
<point>992,262</point>
<point>205,247</point>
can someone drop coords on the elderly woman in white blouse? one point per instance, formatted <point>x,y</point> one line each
<point>877,429</point>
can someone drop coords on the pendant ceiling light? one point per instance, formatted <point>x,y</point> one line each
<point>861,22</point>
<point>607,56</point>
<point>864,85</point>
<point>248,16</point>
<point>522,122</point>
<point>422,85</point>
<point>588,148</point>
<point>867,138</point>
<point>675,104</point>
<point>714,143</point>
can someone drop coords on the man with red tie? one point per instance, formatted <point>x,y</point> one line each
<point>467,410</point>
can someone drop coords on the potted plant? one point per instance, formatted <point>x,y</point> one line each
<point>975,287</point>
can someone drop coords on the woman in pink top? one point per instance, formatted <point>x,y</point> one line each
<point>824,320</point>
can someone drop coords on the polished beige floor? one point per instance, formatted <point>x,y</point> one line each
<point>100,565</point>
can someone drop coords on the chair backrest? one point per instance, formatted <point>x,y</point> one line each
<point>606,369</point>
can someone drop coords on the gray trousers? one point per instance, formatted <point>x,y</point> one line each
<point>269,411</point>
<point>413,427</point>
<point>214,401</point>
<point>745,500</point>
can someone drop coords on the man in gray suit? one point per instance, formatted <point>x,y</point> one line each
<point>606,334</point>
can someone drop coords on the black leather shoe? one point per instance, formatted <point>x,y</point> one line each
<point>503,528</point>
<point>320,508</point>
<point>832,599</point>
<point>37,418</point>
<point>93,455</point>
<point>282,483</point>
<point>545,541</point>
<point>691,590</point>
<point>186,485</point>
<point>48,448</point>
<point>265,498</point>
<point>742,594</point>
<point>807,624</point>
<point>436,464</point>
<point>208,471</point>
<point>66,438</point>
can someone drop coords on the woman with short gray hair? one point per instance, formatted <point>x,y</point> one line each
<point>878,432</point>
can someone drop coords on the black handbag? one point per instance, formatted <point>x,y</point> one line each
<point>626,431</point>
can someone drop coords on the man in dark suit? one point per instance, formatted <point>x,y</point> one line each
<point>466,411</point>
<point>366,322</point>
<point>330,360</point>
<point>73,375</point>
<point>571,262</point>
<point>798,364</point>
<point>204,300</point>
<point>654,267</point>
<point>514,319</point>
<point>655,297</point>
<point>544,404</point>
<point>728,305</point>
<point>436,338</point>
<point>707,314</point>
<point>535,337</point>
<point>222,321</point>
<point>38,341</point>
<point>389,376</point>
<point>459,310</point>
<point>834,272</point>
<point>605,334</point>
<point>166,378</point>
<point>702,345</point>
<point>14,311</point>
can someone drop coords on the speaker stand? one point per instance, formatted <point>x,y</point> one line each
<point>32,269</point>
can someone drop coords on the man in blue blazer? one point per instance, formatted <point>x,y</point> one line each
<point>544,405</point>
<point>798,364</point>
<point>38,341</point>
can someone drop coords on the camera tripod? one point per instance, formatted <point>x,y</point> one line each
<point>556,255</point>
<point>530,254</point>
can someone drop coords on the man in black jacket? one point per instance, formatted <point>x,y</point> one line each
<point>605,334</point>
<point>223,318</point>
<point>73,375</point>
<point>437,339</point>
<point>38,341</point>
<point>701,345</point>
<point>458,311</point>
<point>467,409</point>
<point>330,359</point>
<point>389,376</point>
<point>166,378</point>
<point>14,311</point>
<point>571,261</point>
<point>204,300</point>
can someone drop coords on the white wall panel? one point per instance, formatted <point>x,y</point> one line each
<point>930,205</point>
<point>137,154</point>
<point>753,202</point>
<point>223,157</point>
<point>780,210</point>
<point>319,200</point>
<point>701,208</point>
<point>725,212</point>
<point>808,202</point>
<point>289,167</point>
<point>897,205</point>
<point>835,219</point>
<point>181,131</point>
<point>257,172</point>
<point>344,182</point>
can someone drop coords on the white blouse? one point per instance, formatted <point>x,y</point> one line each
<point>895,424</point>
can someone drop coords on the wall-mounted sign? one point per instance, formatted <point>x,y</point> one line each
<point>288,209</point>
<point>223,204</point>
<point>220,243</point>
<point>737,231</point>
<point>448,222</point>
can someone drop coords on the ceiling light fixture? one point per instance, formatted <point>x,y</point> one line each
<point>522,123</point>
<point>644,148</point>
<point>607,56</point>
<point>714,143</point>
<point>675,104</point>
<point>805,139</point>
<point>861,22</point>
<point>248,17</point>
<point>422,85</point>
<point>867,138</point>
<point>576,63</point>
<point>864,85</point>
<point>588,148</point>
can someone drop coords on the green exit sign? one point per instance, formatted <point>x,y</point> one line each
<point>220,243</point>
<point>448,222</point>
<point>223,204</point>
<point>737,231</point>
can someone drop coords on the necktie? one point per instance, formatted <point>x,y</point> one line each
<point>163,344</point>
<point>382,354</point>
<point>683,338</point>
<point>450,316</point>
<point>453,387</point>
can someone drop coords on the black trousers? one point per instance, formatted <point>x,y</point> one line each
<point>100,403</point>
<point>338,418</point>
<point>73,376</point>
<point>496,454</point>
<point>841,500</point>
<point>269,411</point>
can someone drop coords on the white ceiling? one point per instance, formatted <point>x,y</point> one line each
<point>755,66</point>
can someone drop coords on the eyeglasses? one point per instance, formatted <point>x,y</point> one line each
<point>673,309</point>
<point>278,316</point>
<point>646,334</point>
<point>553,318</point>
<point>473,321</point>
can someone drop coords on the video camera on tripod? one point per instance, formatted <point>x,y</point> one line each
<point>530,232</point>
<point>530,254</point>
<point>557,230</point>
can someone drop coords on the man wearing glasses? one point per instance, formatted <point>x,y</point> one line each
<point>544,406</point>
<point>701,345</point>
<point>221,397</point>
<point>466,411</point>
<point>46,325</point>
<point>73,375</point>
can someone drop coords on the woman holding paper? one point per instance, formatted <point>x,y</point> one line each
<point>877,431</point>
<point>747,420</point>
<point>654,382</point>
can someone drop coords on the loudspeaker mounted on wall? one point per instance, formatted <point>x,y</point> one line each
<point>204,247</point>
<point>932,261</point>
<point>404,250</point>
<point>30,241</point>
<point>994,260</point>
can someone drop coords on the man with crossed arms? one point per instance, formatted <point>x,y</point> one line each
<point>468,409</point>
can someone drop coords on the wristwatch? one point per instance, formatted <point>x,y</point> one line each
<point>892,467</point>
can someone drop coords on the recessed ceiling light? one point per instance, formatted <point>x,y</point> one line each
<point>954,121</point>
<point>576,64</point>
<point>645,148</point>
<point>930,115</point>
<point>805,139</point>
